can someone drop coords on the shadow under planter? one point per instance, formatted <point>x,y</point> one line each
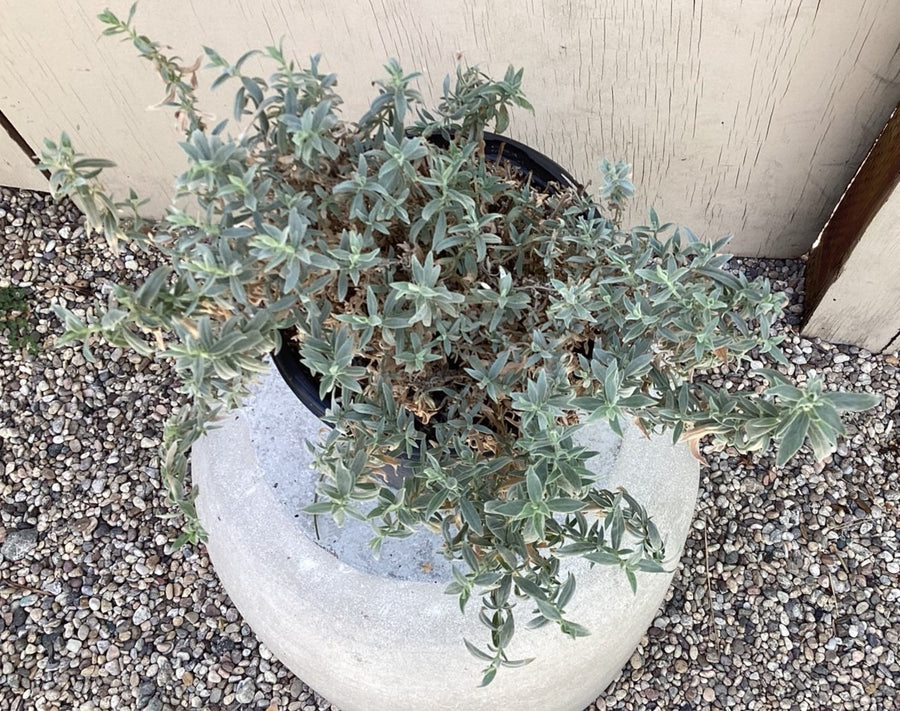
<point>372,641</point>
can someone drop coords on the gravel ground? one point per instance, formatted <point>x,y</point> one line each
<point>787,596</point>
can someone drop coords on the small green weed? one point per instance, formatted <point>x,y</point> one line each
<point>14,311</point>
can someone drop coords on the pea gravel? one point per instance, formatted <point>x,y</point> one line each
<point>787,595</point>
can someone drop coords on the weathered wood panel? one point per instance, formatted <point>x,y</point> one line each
<point>853,274</point>
<point>15,167</point>
<point>862,305</point>
<point>738,117</point>
<point>894,346</point>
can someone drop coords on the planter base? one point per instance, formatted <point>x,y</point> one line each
<point>372,643</point>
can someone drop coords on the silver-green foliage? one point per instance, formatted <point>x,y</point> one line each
<point>461,321</point>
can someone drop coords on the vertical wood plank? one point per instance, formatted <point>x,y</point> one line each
<point>862,305</point>
<point>866,195</point>
<point>853,274</point>
<point>747,118</point>
<point>15,167</point>
<point>893,346</point>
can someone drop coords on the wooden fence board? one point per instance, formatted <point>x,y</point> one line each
<point>15,167</point>
<point>853,274</point>
<point>746,118</point>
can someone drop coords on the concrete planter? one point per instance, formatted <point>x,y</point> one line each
<point>370,643</point>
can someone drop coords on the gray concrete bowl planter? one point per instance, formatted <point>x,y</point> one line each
<point>385,640</point>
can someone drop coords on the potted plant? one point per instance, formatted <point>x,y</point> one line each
<point>459,307</point>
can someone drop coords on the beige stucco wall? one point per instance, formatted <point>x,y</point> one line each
<point>738,117</point>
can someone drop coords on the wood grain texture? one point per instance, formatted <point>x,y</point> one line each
<point>893,346</point>
<point>866,196</point>
<point>862,305</point>
<point>738,117</point>
<point>15,167</point>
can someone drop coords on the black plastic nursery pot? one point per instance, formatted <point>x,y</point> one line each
<point>543,173</point>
